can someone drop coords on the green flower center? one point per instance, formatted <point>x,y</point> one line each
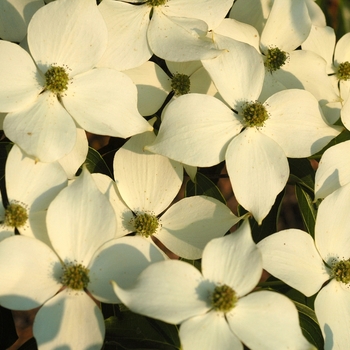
<point>275,59</point>
<point>254,114</point>
<point>56,80</point>
<point>16,215</point>
<point>180,83</point>
<point>343,72</point>
<point>152,3</point>
<point>75,276</point>
<point>224,298</point>
<point>341,271</point>
<point>145,224</point>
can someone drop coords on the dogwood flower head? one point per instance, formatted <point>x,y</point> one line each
<point>154,85</point>
<point>173,30</point>
<point>84,257</point>
<point>285,67</point>
<point>318,266</point>
<point>256,158</point>
<point>146,184</point>
<point>43,95</point>
<point>30,188</point>
<point>217,308</point>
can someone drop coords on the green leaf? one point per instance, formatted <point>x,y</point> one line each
<point>302,173</point>
<point>343,136</point>
<point>307,208</point>
<point>95,163</point>
<point>5,148</point>
<point>309,325</point>
<point>196,263</point>
<point>133,331</point>
<point>203,186</point>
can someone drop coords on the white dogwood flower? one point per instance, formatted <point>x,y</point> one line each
<point>217,308</point>
<point>45,98</point>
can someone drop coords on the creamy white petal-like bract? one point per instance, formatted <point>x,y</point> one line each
<point>30,276</point>
<point>43,129</point>
<point>332,308</point>
<point>287,26</point>
<point>188,127</point>
<point>333,170</point>
<point>293,250</point>
<point>238,73</point>
<point>266,320</point>
<point>55,325</point>
<point>84,228</point>
<point>146,181</point>
<point>256,164</point>
<point>296,123</point>
<point>15,16</point>
<point>189,224</point>
<point>33,185</point>
<point>127,31</point>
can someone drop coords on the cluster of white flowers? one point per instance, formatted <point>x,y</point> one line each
<point>190,84</point>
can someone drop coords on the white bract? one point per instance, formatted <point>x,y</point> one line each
<point>15,16</point>
<point>43,95</point>
<point>333,170</point>
<point>30,188</point>
<point>217,309</point>
<point>308,266</point>
<point>85,257</point>
<point>174,30</point>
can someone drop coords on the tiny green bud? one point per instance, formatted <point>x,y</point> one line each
<point>75,276</point>
<point>254,114</point>
<point>341,271</point>
<point>16,215</point>
<point>153,3</point>
<point>181,84</point>
<point>343,71</point>
<point>56,80</point>
<point>275,59</point>
<point>224,298</point>
<point>145,224</point>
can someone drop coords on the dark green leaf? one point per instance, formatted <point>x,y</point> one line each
<point>307,208</point>
<point>133,331</point>
<point>203,186</point>
<point>302,173</point>
<point>5,148</point>
<point>309,325</point>
<point>343,136</point>
<point>95,163</point>
<point>196,263</point>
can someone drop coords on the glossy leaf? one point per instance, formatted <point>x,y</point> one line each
<point>95,163</point>
<point>203,186</point>
<point>138,332</point>
<point>307,208</point>
<point>309,325</point>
